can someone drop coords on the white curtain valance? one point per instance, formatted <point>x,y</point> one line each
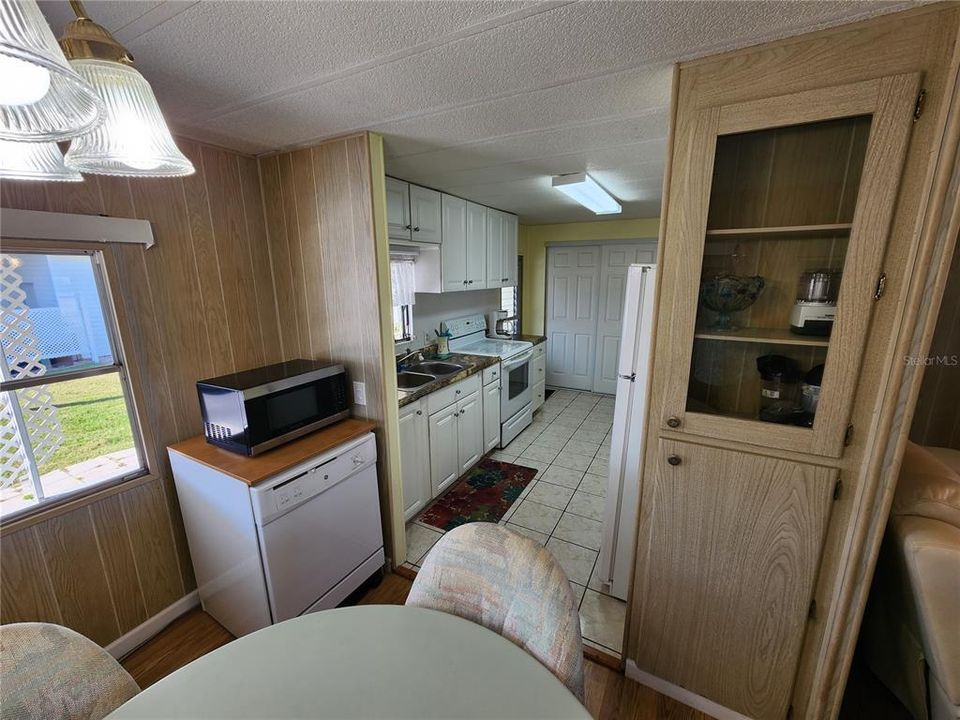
<point>403,281</point>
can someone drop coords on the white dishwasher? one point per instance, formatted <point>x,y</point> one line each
<point>299,541</point>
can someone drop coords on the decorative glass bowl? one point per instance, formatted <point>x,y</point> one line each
<point>727,293</point>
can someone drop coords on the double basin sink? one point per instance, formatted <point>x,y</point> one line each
<point>419,374</point>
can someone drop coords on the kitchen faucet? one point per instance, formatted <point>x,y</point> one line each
<point>404,358</point>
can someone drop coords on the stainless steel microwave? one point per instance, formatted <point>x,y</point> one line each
<point>252,411</point>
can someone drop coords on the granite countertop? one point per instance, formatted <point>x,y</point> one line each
<point>535,339</point>
<point>472,364</point>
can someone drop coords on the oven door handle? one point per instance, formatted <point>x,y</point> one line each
<point>516,361</point>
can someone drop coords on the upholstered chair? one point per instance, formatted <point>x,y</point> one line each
<point>51,672</point>
<point>511,585</point>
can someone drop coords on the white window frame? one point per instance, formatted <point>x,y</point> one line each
<point>10,384</point>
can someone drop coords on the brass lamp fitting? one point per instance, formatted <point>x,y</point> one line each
<point>85,39</point>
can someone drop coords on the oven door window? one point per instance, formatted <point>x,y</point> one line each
<point>518,380</point>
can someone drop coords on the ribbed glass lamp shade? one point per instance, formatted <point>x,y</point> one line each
<point>133,139</point>
<point>34,161</point>
<point>42,98</point>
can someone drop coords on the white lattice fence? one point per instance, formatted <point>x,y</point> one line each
<point>37,421</point>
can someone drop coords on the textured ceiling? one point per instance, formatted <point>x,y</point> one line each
<point>482,99</point>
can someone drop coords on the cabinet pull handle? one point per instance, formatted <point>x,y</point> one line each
<point>673,421</point>
<point>406,227</point>
<point>416,228</point>
<point>674,460</point>
<point>458,392</point>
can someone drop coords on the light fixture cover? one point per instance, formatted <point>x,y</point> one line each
<point>34,161</point>
<point>133,139</point>
<point>29,59</point>
<point>586,191</point>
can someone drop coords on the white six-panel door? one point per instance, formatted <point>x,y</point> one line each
<point>573,276</point>
<point>614,261</point>
<point>585,294</point>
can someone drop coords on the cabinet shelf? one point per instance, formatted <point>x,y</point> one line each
<point>787,231</point>
<point>767,336</point>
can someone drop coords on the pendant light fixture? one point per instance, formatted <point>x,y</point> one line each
<point>42,98</point>
<point>133,139</point>
<point>34,161</point>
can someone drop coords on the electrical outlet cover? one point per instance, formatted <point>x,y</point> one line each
<point>359,393</point>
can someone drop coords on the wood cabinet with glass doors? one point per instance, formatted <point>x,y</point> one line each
<point>778,219</point>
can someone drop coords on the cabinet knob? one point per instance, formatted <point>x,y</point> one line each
<point>673,421</point>
<point>458,392</point>
<point>674,460</point>
<point>470,281</point>
<point>416,228</point>
<point>464,282</point>
<point>406,227</point>
<point>419,412</point>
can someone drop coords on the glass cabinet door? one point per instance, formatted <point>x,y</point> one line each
<point>786,240</point>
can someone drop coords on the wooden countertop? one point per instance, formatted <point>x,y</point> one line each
<point>252,470</point>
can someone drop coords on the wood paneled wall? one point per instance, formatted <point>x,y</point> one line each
<point>936,421</point>
<point>320,228</point>
<point>199,303</point>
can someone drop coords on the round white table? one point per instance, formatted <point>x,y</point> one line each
<point>375,661</point>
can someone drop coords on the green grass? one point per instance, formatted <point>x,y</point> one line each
<point>93,419</point>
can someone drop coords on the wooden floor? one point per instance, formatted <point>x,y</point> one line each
<point>608,693</point>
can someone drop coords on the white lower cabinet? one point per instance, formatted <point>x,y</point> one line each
<point>470,431</point>
<point>539,395</point>
<point>442,436</point>
<point>414,458</point>
<point>491,415</point>
<point>444,456</point>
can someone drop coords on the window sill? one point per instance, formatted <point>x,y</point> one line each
<point>69,503</point>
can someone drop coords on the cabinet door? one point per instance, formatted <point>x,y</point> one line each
<point>776,234</point>
<point>470,431</point>
<point>476,246</point>
<point>444,460</point>
<point>453,246</point>
<point>539,395</point>
<point>414,459</point>
<point>509,250</point>
<point>495,238</point>
<point>425,214</point>
<point>491,416</point>
<point>398,209</point>
<point>731,544</point>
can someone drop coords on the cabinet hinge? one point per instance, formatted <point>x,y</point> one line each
<point>812,610</point>
<point>837,489</point>
<point>881,286</point>
<point>848,436</point>
<point>918,107</point>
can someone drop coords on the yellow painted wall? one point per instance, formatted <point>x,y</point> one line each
<point>532,243</point>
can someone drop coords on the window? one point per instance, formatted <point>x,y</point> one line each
<point>402,285</point>
<point>65,413</point>
<point>402,323</point>
<point>510,302</point>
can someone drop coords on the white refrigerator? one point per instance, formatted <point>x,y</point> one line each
<point>615,563</point>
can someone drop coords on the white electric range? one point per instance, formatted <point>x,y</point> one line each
<point>469,335</point>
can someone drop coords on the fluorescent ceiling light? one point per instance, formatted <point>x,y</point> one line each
<point>586,191</point>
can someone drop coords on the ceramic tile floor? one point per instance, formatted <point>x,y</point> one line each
<point>562,508</point>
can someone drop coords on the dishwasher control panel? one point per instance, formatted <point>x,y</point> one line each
<point>274,498</point>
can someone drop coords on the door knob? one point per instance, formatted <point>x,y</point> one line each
<point>674,460</point>
<point>673,421</point>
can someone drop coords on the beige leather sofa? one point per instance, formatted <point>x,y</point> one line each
<point>911,633</point>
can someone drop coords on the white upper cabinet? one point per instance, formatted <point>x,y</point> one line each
<point>510,228</point>
<point>476,246</point>
<point>398,209</point>
<point>501,249</point>
<point>495,248</point>
<point>425,215</point>
<point>453,249</point>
